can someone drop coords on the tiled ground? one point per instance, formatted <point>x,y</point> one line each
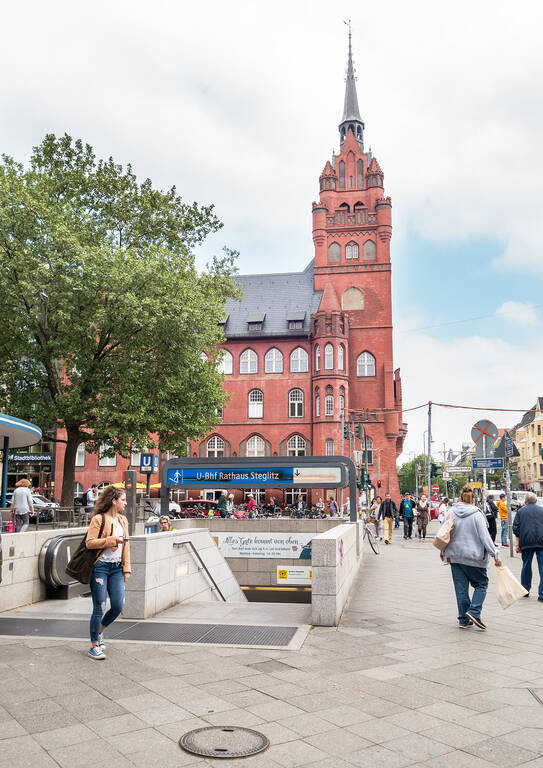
<point>398,684</point>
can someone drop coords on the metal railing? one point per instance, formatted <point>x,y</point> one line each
<point>57,517</point>
<point>204,566</point>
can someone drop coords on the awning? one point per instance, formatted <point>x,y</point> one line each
<point>20,433</point>
<point>139,486</point>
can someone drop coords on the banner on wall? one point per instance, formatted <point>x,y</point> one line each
<point>273,545</point>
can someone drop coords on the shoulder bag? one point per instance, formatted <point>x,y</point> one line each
<point>83,560</point>
<point>442,539</point>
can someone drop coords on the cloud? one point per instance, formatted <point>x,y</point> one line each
<point>518,313</point>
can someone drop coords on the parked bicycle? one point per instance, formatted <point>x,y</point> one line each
<point>370,536</point>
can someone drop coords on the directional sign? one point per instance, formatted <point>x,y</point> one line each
<point>149,463</point>
<point>235,476</point>
<point>509,446</point>
<point>484,434</point>
<point>458,470</point>
<point>488,463</point>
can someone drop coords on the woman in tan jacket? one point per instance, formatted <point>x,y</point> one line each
<point>112,565</point>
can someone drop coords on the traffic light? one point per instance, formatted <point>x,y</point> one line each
<point>433,470</point>
<point>346,431</point>
<point>358,430</point>
<point>378,483</point>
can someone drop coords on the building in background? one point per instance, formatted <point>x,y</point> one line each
<point>528,436</point>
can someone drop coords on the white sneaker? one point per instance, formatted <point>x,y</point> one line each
<point>101,643</point>
<point>96,653</point>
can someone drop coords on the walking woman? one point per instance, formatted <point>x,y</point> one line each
<point>374,516</point>
<point>112,566</point>
<point>423,516</point>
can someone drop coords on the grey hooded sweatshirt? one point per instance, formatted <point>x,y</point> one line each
<point>470,540</point>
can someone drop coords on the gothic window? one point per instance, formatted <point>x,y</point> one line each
<point>273,362</point>
<point>256,404</point>
<point>367,448</point>
<point>329,357</point>
<point>352,298</point>
<point>215,447</point>
<point>317,358</point>
<point>295,403</point>
<point>334,252</point>
<point>342,175</point>
<point>370,251</point>
<point>248,362</point>
<point>298,360</point>
<point>341,357</point>
<point>296,446</point>
<point>106,461</point>
<point>256,446</point>
<point>360,174</point>
<point>351,251</point>
<point>329,405</point>
<point>226,363</point>
<point>329,447</point>
<point>317,402</point>
<point>365,364</point>
<point>351,184</point>
<point>341,400</point>
<point>80,455</point>
<point>360,213</point>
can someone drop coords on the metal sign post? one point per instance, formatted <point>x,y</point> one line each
<point>130,488</point>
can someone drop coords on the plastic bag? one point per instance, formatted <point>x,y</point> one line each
<point>509,588</point>
<point>442,538</point>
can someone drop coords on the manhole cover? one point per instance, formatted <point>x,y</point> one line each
<point>224,741</point>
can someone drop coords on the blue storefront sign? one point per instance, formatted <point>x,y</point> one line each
<point>230,475</point>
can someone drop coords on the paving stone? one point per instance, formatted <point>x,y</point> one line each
<point>294,753</point>
<point>416,747</point>
<point>64,737</point>
<point>454,735</point>
<point>529,738</point>
<point>500,752</point>
<point>153,709</point>
<point>338,742</point>
<point>138,741</point>
<point>305,724</point>
<point>92,754</point>
<point>275,710</point>
<point>378,757</point>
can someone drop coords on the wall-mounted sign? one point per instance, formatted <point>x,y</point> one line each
<point>274,545</point>
<point>294,574</point>
<point>230,476</point>
<point>31,458</point>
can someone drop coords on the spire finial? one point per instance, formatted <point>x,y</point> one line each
<point>351,115</point>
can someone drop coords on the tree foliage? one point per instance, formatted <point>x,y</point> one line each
<point>105,316</point>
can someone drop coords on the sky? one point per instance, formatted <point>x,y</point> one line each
<point>237,104</point>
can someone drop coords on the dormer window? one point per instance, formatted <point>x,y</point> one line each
<point>254,326</point>
<point>295,320</point>
<point>255,321</point>
<point>295,325</point>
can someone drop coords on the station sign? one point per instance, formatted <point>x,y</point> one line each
<point>253,476</point>
<point>294,574</point>
<point>488,463</point>
<point>149,463</point>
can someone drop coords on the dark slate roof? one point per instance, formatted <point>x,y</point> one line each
<point>280,297</point>
<point>529,416</point>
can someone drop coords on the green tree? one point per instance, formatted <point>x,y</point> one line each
<point>407,474</point>
<point>105,317</point>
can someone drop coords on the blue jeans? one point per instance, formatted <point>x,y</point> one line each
<point>408,527</point>
<point>397,521</point>
<point>505,530</point>
<point>526,573</point>
<point>106,579</point>
<point>463,577</point>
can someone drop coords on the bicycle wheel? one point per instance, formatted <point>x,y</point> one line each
<point>374,543</point>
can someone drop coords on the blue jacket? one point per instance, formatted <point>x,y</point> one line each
<point>528,526</point>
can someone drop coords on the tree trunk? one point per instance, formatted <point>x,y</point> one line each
<point>68,480</point>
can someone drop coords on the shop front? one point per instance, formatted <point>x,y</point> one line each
<point>35,463</point>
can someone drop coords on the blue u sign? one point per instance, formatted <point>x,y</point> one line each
<point>149,463</point>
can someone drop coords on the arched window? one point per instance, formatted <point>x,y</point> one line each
<point>215,447</point>
<point>341,357</point>
<point>351,251</point>
<point>296,446</point>
<point>106,461</point>
<point>370,251</point>
<point>78,490</point>
<point>334,252</point>
<point>341,400</point>
<point>80,455</point>
<point>256,404</point>
<point>342,175</point>
<point>248,362</point>
<point>295,403</point>
<point>317,358</point>
<point>273,362</point>
<point>226,363</point>
<point>329,447</point>
<point>365,364</point>
<point>328,357</point>
<point>329,405</point>
<point>256,446</point>
<point>298,360</point>
<point>352,298</point>
<point>317,402</point>
<point>360,174</point>
<point>367,448</point>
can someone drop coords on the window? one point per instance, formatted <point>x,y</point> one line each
<point>106,461</point>
<point>215,447</point>
<point>295,403</point>
<point>352,298</point>
<point>367,447</point>
<point>220,413</point>
<point>329,447</point>
<point>273,362</point>
<point>226,363</point>
<point>328,357</point>
<point>259,495</point>
<point>256,404</point>
<point>334,252</point>
<point>80,455</point>
<point>257,326</point>
<point>539,429</point>
<point>360,174</point>
<point>365,365</point>
<point>295,325</point>
<point>317,403</point>
<point>317,358</point>
<point>370,251</point>
<point>329,405</point>
<point>342,175</point>
<point>351,251</point>
<point>298,360</point>
<point>256,446</point>
<point>292,495</point>
<point>341,403</point>
<point>341,357</point>
<point>78,489</point>
<point>296,446</point>
<point>248,362</point>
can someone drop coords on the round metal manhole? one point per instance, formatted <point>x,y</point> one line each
<point>224,741</point>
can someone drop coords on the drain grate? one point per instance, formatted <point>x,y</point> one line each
<point>224,741</point>
<point>154,632</point>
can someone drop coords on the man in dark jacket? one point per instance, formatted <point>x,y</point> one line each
<point>491,513</point>
<point>387,512</point>
<point>528,531</point>
<point>223,504</point>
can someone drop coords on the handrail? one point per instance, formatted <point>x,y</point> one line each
<point>204,566</point>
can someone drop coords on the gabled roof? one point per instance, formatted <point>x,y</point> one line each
<point>329,300</point>
<point>374,166</point>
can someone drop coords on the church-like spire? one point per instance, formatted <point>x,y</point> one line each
<point>351,114</point>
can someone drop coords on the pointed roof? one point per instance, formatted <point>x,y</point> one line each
<point>328,170</point>
<point>350,107</point>
<point>329,300</point>
<point>374,166</point>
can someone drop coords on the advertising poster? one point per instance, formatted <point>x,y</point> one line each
<point>276,545</point>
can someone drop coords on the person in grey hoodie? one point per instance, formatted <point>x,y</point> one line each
<point>469,552</point>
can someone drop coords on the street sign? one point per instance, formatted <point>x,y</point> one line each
<point>509,446</point>
<point>506,447</point>
<point>258,476</point>
<point>446,476</point>
<point>475,485</point>
<point>459,470</point>
<point>435,488</point>
<point>488,463</point>
<point>484,434</point>
<point>149,463</point>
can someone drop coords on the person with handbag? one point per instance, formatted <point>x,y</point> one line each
<point>468,552</point>
<point>108,536</point>
<point>422,513</point>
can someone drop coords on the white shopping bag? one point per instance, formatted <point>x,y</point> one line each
<point>509,588</point>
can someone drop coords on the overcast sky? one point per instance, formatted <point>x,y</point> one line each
<point>238,103</point>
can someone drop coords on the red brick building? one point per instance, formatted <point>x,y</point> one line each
<point>302,346</point>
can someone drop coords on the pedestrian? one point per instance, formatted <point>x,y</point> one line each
<point>423,515</point>
<point>112,566</point>
<point>230,504</point>
<point>374,516</point>
<point>164,524</point>
<point>91,496</point>
<point>271,505</point>
<point>443,511</point>
<point>502,509</point>
<point>22,504</point>
<point>387,512</point>
<point>332,508</point>
<point>491,513</point>
<point>406,510</point>
<point>300,502</point>
<point>528,530</point>
<point>223,504</point>
<point>469,552</point>
<point>320,506</point>
<point>251,504</point>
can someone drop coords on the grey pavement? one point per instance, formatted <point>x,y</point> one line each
<point>397,684</point>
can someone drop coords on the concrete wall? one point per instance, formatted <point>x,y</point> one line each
<point>21,583</point>
<point>164,572</point>
<point>337,555</point>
